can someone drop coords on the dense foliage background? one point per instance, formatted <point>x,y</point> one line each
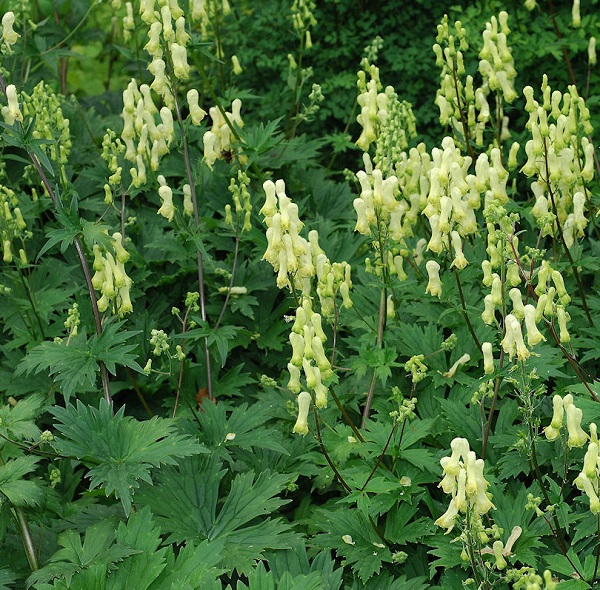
<point>175,414</point>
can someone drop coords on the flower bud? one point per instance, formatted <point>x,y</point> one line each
<point>534,336</point>
<point>563,317</point>
<point>434,286</point>
<point>196,113</point>
<point>301,426</point>
<point>14,112</point>
<point>592,60</point>
<point>517,304</point>
<point>488,358</point>
<point>465,358</point>
<point>237,68</point>
<point>497,548</point>
<point>294,382</point>
<point>167,209</point>
<point>577,437</point>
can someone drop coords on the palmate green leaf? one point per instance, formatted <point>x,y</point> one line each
<point>76,365</point>
<point>89,560</point>
<point>261,579</point>
<point>110,347</point>
<point>385,581</point>
<point>119,450</point>
<point>363,552</point>
<point>19,491</point>
<point>248,423</point>
<point>193,568</point>
<point>17,422</point>
<point>72,366</point>
<point>140,569</point>
<point>6,577</point>
<point>185,502</point>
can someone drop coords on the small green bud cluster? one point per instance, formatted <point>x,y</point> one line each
<point>303,19</point>
<point>9,35</point>
<point>218,141</point>
<point>146,141</point>
<point>463,480</point>
<point>12,225</point>
<point>588,480</point>
<point>55,477</point>
<point>526,578</point>
<point>484,390</point>
<point>501,247</point>
<point>499,550</point>
<point>73,320</point>
<point>371,51</point>
<point>297,260</point>
<point>241,201</point>
<point>110,277</point>
<point>50,123</point>
<point>416,367</point>
<point>576,437</point>
<point>561,158</point>
<point>307,339</point>
<point>160,341</point>
<point>397,125</point>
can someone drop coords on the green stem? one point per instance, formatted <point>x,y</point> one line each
<point>380,329</point>
<point>200,262</point>
<point>25,533</point>
<point>464,310</point>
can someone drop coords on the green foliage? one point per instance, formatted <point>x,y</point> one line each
<point>119,450</point>
<point>377,413</point>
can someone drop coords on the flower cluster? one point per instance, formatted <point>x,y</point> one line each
<point>218,142</point>
<point>303,19</point>
<point>384,119</point>
<point>167,45</point>
<point>496,63</point>
<point>208,14</point>
<point>462,105</point>
<point>110,277</point>
<point>297,260</point>
<point>561,158</point>
<point>307,339</point>
<point>587,481</point>
<point>241,201</point>
<point>464,481</point>
<point>145,140</point>
<point>576,437</point>
<point>12,225</point>
<point>550,284</point>
<point>112,149</point>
